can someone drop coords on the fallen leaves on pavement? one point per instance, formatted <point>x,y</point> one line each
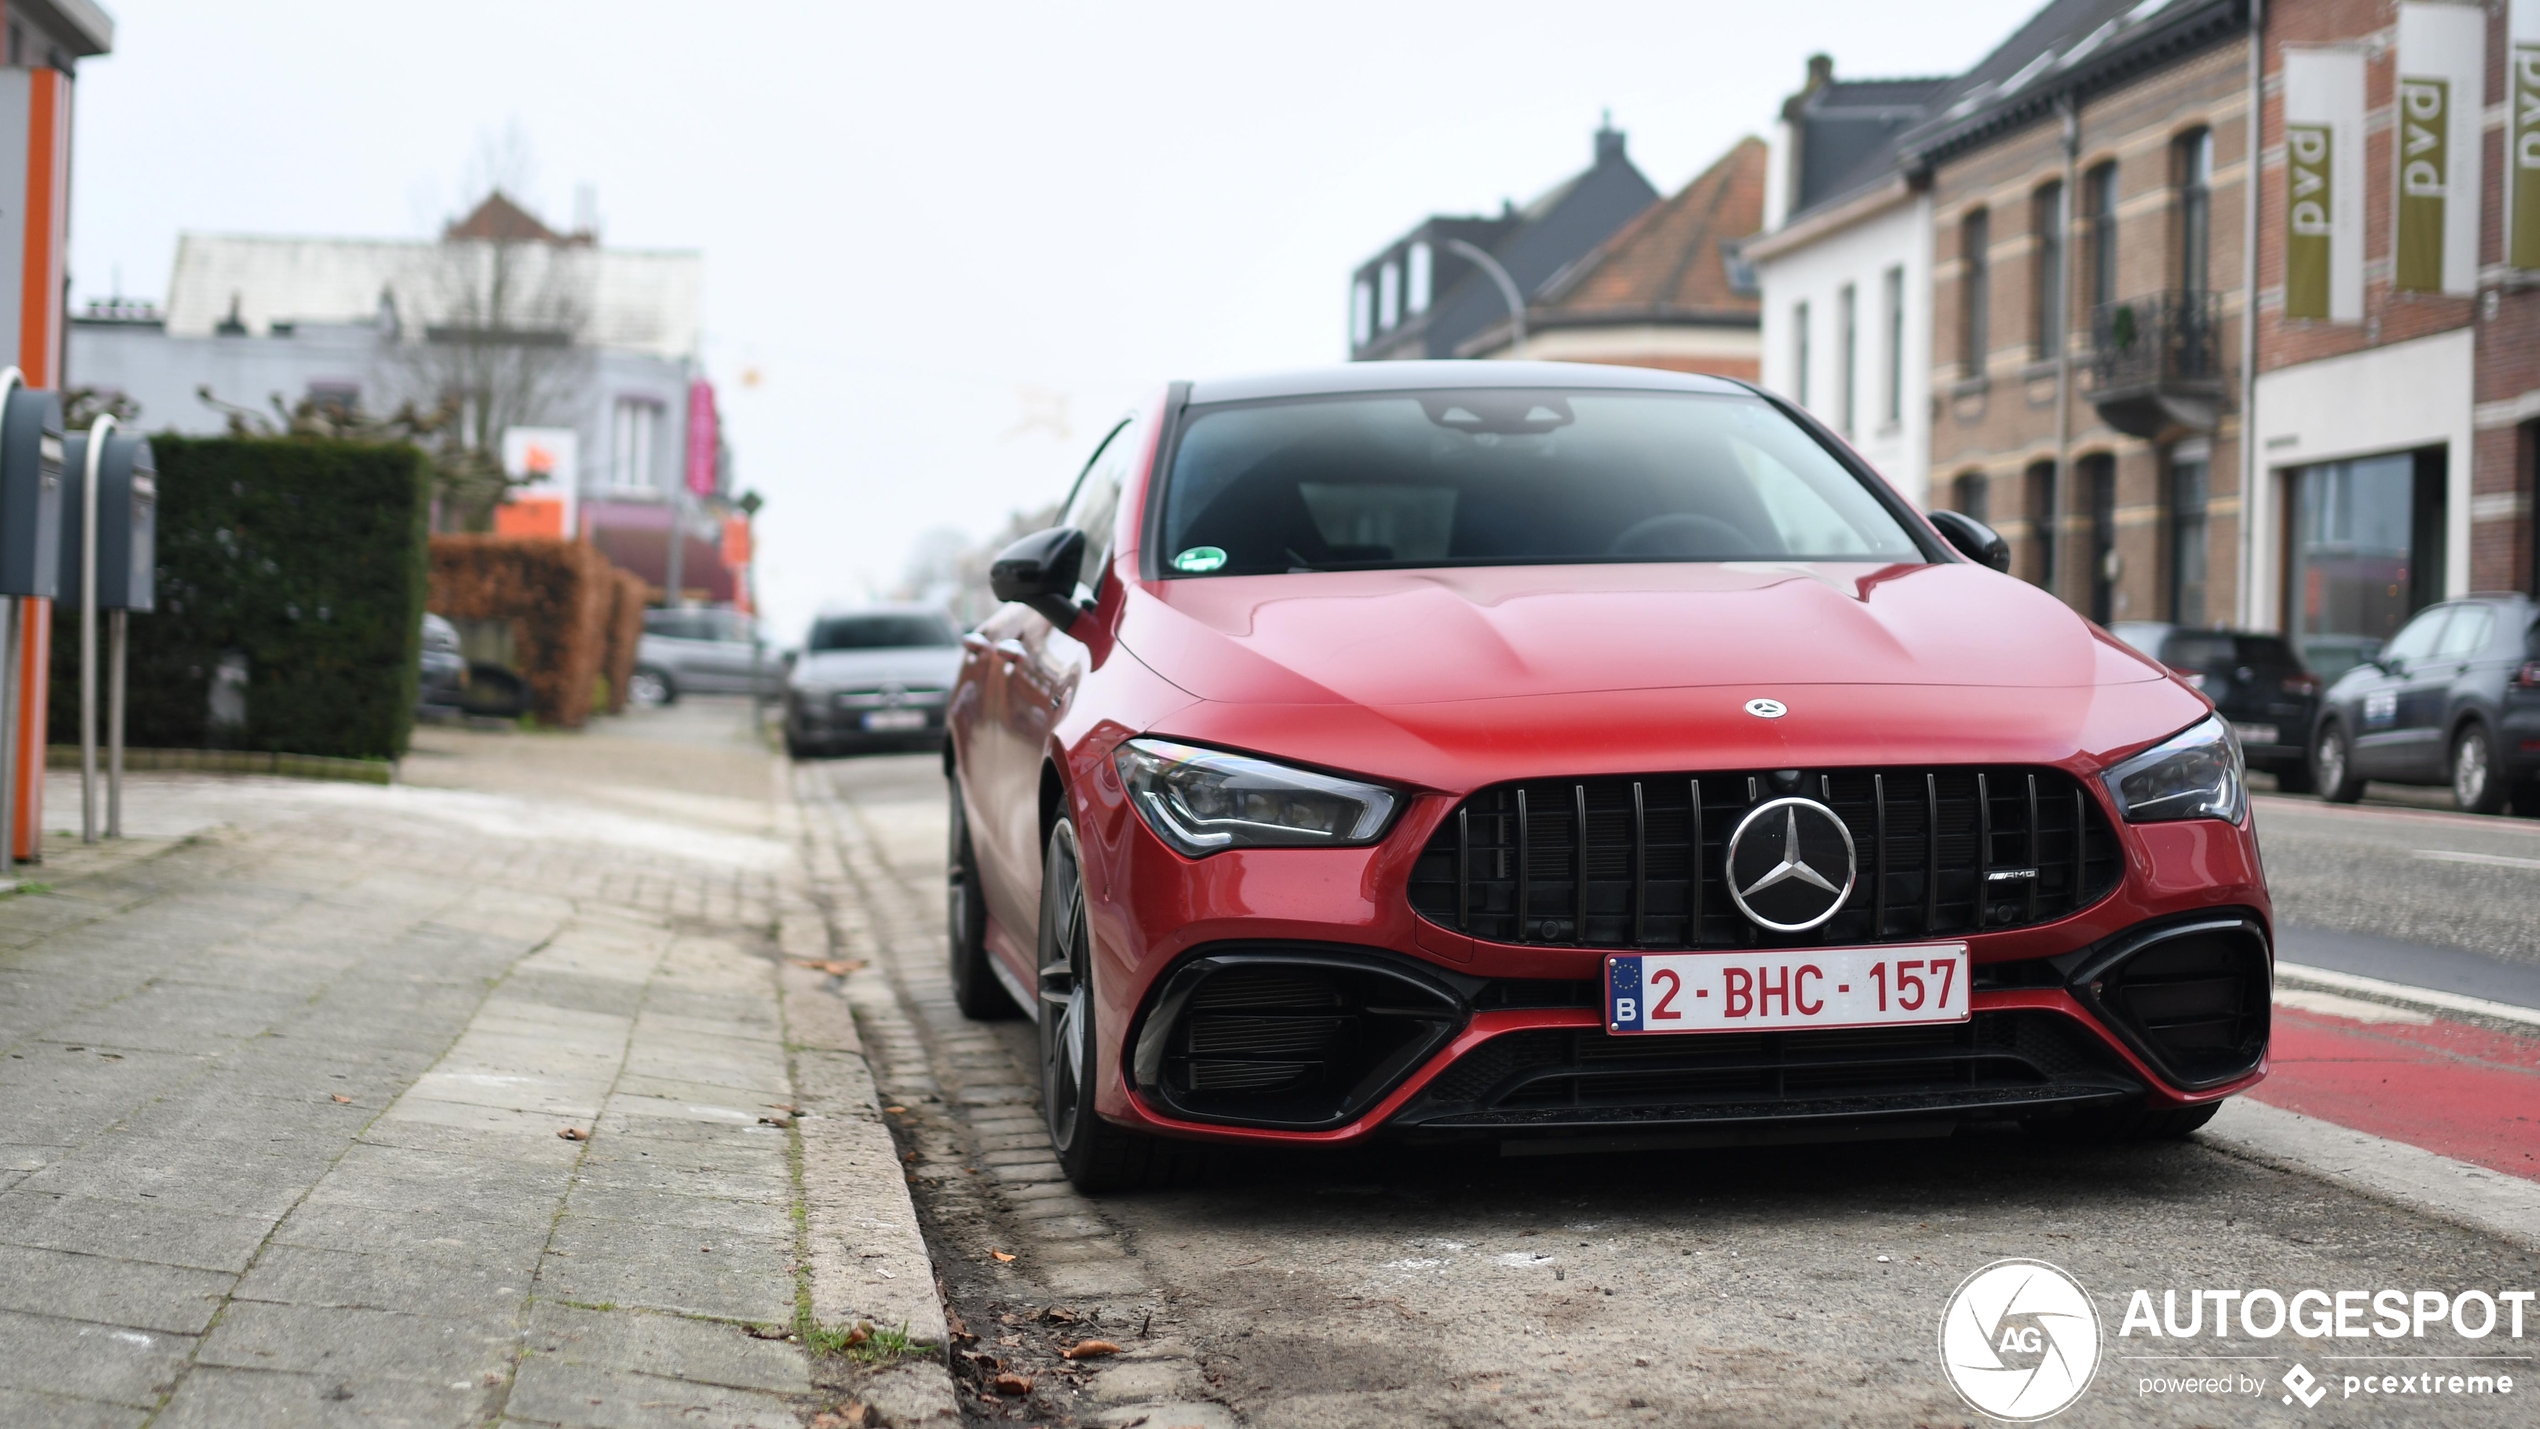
<point>1001,1255</point>
<point>1089,1350</point>
<point>1011,1383</point>
<point>849,1415</point>
<point>835,967</point>
<point>574,1133</point>
<point>341,1099</point>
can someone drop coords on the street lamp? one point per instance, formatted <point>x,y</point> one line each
<point>1507,289</point>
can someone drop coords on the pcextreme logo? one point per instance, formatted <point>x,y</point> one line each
<point>2019,1340</point>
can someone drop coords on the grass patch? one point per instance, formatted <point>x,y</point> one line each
<point>23,889</point>
<point>861,1342</point>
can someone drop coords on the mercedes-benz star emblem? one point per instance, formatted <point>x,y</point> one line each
<point>1767,709</point>
<point>1791,864</point>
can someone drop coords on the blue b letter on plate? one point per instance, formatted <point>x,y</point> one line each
<point>1623,1007</point>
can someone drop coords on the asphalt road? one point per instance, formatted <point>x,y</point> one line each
<point>2394,877</point>
<point>1781,1286</point>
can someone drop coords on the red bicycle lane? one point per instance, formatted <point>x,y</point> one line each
<point>2455,1089</point>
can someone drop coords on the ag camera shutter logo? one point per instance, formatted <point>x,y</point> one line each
<point>2019,1341</point>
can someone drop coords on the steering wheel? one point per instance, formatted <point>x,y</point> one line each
<point>1683,536</point>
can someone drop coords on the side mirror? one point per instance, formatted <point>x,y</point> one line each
<point>1040,571</point>
<point>1974,539</point>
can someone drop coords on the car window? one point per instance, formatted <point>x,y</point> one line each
<point>2418,640</point>
<point>890,631</point>
<point>1512,477</point>
<point>2467,634</point>
<point>2268,652</point>
<point>2144,636</point>
<point>732,626</point>
<point>677,624</point>
<point>1095,503</point>
<point>2201,652</point>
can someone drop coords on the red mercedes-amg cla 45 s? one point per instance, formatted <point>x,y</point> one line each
<point>1535,751</point>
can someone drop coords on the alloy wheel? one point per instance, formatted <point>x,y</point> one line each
<point>1065,1011</point>
<point>645,689</point>
<point>2329,762</point>
<point>2470,771</point>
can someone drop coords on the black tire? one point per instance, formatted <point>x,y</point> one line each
<point>650,687</point>
<point>2525,802</point>
<point>1096,1155</point>
<point>2125,1125</point>
<point>2478,787</point>
<point>2293,778</point>
<point>2333,765</point>
<point>976,990</point>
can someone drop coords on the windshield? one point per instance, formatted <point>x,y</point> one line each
<point>1512,477</point>
<point>881,632</point>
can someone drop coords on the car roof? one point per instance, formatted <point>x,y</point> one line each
<point>1344,378</point>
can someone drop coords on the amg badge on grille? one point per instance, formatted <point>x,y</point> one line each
<point>1790,864</point>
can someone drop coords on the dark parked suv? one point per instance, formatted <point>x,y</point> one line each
<point>2255,681</point>
<point>2453,698</point>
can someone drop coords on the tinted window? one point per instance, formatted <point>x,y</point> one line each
<point>1512,477</point>
<point>679,624</point>
<point>2418,639</point>
<point>2146,636</point>
<point>1092,507</point>
<point>2201,652</point>
<point>2267,652</point>
<point>882,632</point>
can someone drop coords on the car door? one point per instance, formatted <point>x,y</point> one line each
<point>2399,721</point>
<point>1032,668</point>
<point>2463,664</point>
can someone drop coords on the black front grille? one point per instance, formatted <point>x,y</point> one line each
<point>1624,862</point>
<point>2015,1060</point>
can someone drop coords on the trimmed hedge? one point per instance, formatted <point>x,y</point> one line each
<point>558,595</point>
<point>304,555</point>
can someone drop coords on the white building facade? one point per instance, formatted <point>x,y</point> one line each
<point>1847,328</point>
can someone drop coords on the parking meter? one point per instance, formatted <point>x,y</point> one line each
<point>30,494</point>
<point>127,521</point>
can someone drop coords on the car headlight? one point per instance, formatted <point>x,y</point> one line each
<point>1203,801</point>
<point>2195,775</point>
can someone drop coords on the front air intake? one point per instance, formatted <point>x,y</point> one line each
<point>1289,1036</point>
<point>2191,998</point>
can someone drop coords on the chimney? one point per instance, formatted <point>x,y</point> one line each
<point>1609,141</point>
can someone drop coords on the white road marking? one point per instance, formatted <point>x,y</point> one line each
<point>2421,996</point>
<point>2491,860</point>
<point>2353,1009</point>
<point>2414,1178</point>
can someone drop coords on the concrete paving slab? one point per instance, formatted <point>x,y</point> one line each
<point>356,1345</point>
<point>729,1273</point>
<point>692,1213</point>
<point>115,1364</point>
<point>22,1409</point>
<point>454,1283</point>
<point>669,1346</point>
<point>554,1391</point>
<point>127,1230</point>
<point>221,1397</point>
<point>130,1293</point>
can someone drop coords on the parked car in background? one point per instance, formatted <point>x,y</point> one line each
<point>2258,682</point>
<point>871,677</point>
<point>697,650</point>
<point>443,685</point>
<point>2453,698</point>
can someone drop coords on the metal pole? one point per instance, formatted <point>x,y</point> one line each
<point>676,571</point>
<point>10,609</point>
<point>2252,145</point>
<point>1507,290</point>
<point>97,434</point>
<point>2061,496</point>
<point>115,629</point>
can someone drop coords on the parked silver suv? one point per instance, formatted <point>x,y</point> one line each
<point>699,650</point>
<point>874,677</point>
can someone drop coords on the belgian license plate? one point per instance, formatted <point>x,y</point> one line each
<point>895,719</point>
<point>2257,733</point>
<point>1766,991</point>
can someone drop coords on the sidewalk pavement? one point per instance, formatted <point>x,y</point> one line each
<point>488,1098</point>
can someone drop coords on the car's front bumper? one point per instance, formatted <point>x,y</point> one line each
<point>2040,1042</point>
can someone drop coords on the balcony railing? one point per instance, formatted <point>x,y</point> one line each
<point>2156,362</point>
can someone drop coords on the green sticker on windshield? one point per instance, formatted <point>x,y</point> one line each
<point>1199,559</point>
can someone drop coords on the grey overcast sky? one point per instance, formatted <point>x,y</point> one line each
<point>930,227</point>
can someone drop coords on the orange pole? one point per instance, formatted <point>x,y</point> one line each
<point>39,332</point>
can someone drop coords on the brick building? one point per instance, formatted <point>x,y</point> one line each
<point>2085,188</point>
<point>2398,389</point>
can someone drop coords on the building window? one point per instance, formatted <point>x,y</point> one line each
<point>2046,210</point>
<point>2195,157</point>
<point>634,435</point>
<point>2190,478</point>
<point>2040,565</point>
<point>1799,353</point>
<point>1972,493</point>
<point>1362,313</point>
<point>1415,295</point>
<point>2099,207</point>
<point>1895,284</point>
<point>1975,296</point>
<point>1848,352</point>
<point>1388,297</point>
<point>2098,475</point>
<point>2365,553</point>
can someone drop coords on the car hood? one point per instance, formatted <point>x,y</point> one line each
<point>1455,678</point>
<point>926,666</point>
<point>1433,636</point>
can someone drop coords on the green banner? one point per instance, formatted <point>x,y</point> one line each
<point>2425,118</point>
<point>2522,170</point>
<point>2307,150</point>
